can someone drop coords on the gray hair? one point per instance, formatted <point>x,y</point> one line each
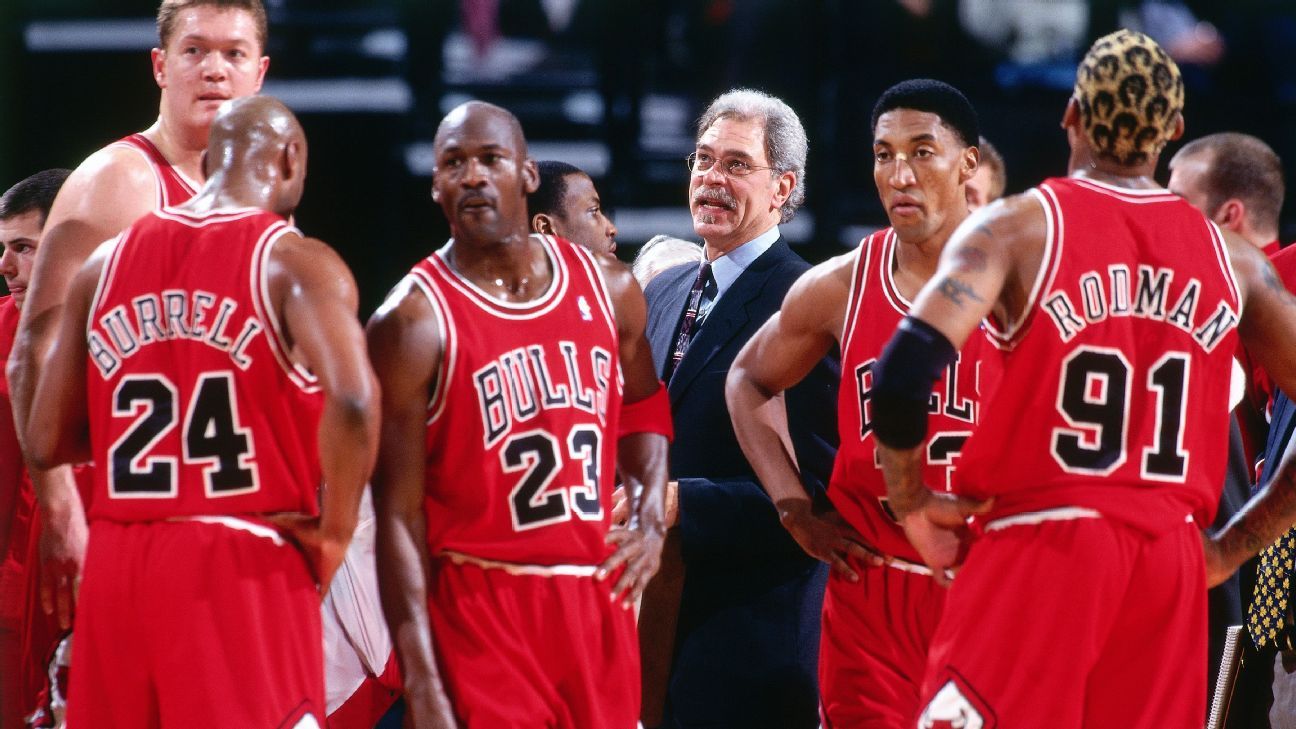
<point>660,253</point>
<point>785,138</point>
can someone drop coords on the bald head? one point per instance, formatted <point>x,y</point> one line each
<point>254,142</point>
<point>254,125</point>
<point>501,121</point>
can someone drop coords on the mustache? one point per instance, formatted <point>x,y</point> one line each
<point>714,195</point>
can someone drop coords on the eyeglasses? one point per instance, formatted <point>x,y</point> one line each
<point>701,162</point>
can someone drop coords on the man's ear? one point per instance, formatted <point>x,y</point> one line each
<point>1179,127</point>
<point>292,160</point>
<point>158,58</point>
<point>970,162</point>
<point>784,185</point>
<point>530,176</point>
<point>1231,215</point>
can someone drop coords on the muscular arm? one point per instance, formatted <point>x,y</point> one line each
<point>978,275</point>
<point>314,292</point>
<point>108,192</point>
<point>405,347</point>
<point>981,272</point>
<point>59,424</point>
<point>641,457</point>
<point>1268,329</point>
<point>785,349</point>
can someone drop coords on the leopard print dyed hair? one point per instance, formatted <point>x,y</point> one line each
<point>1130,94</point>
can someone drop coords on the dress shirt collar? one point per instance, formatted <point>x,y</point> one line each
<point>727,268</point>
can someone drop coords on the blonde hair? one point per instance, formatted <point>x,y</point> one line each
<point>1130,95</point>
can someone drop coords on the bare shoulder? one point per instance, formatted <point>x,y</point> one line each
<point>1251,267</point>
<point>405,340</point>
<point>111,189</point>
<point>818,299</point>
<point>302,262</point>
<point>616,274</point>
<point>1014,221</point>
<point>406,309</point>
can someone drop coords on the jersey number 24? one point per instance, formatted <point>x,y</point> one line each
<point>211,437</point>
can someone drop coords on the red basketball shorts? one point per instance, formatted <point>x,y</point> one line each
<point>519,651</point>
<point>195,624</point>
<point>873,645</point>
<point>1072,623</point>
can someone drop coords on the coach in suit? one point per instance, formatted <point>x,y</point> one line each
<point>745,648</point>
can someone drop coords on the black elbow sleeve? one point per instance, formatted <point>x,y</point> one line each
<point>910,364</point>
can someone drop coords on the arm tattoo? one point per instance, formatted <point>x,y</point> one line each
<point>972,260</point>
<point>1270,278</point>
<point>957,291</point>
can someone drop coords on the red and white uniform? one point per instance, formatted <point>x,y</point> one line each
<point>173,188</point>
<point>18,508</point>
<point>521,446</point>
<point>1103,448</point>
<point>875,632</point>
<point>199,422</point>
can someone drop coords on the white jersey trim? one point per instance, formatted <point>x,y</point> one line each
<point>421,280</point>
<point>162,199</point>
<point>859,270</point>
<point>303,378</point>
<point>1225,264</point>
<point>160,186</point>
<point>204,219</point>
<point>1032,518</point>
<point>1008,337</point>
<point>1138,196</point>
<point>516,569</point>
<point>106,277</point>
<point>886,266</point>
<point>232,522</point>
<point>498,307</point>
<point>604,295</point>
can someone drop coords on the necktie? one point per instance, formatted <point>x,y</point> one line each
<point>689,324</point>
<point>1267,614</point>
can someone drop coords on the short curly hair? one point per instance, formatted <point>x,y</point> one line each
<point>1130,95</point>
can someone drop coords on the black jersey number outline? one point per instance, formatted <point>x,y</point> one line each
<point>213,437</point>
<point>1094,395</point>
<point>536,454</point>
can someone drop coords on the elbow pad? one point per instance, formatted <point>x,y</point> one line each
<point>903,377</point>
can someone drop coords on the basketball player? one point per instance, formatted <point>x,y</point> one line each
<point>515,380</point>
<point>567,205</point>
<point>1118,307</point>
<point>23,209</point>
<point>213,356</point>
<point>209,51</point>
<point>877,620</point>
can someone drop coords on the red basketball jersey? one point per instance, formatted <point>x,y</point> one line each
<point>172,186</point>
<point>521,439</point>
<point>1116,383</point>
<point>874,311</point>
<point>12,472</point>
<point>195,407</point>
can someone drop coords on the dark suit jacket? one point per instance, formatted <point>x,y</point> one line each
<point>747,641</point>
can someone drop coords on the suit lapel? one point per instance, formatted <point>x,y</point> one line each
<point>728,319</point>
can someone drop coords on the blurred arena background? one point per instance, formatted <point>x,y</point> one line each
<point>614,86</point>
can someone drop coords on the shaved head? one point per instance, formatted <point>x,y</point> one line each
<point>476,112</point>
<point>254,125</point>
<point>256,142</point>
